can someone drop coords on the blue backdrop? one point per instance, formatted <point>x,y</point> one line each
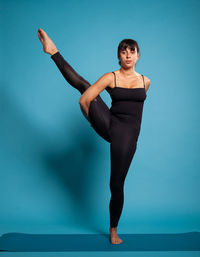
<point>55,169</point>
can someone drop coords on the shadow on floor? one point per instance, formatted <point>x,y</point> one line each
<point>20,242</point>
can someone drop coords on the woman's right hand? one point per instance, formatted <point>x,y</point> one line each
<point>48,46</point>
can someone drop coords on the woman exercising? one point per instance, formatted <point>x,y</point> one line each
<point>120,125</point>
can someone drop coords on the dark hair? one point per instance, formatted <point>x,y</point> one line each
<point>127,43</point>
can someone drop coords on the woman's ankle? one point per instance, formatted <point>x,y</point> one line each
<point>113,229</point>
<point>54,52</point>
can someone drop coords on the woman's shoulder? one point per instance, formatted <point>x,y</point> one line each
<point>147,80</point>
<point>109,76</point>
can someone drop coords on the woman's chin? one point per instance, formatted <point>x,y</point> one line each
<point>128,65</point>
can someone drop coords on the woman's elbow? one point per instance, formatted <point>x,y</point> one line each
<point>81,100</point>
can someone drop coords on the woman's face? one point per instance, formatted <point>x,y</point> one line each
<point>128,57</point>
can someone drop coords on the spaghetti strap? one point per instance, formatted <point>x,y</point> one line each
<point>143,80</point>
<point>115,77</point>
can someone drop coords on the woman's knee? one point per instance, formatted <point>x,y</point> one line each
<point>116,185</point>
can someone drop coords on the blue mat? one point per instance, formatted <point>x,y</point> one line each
<point>19,242</point>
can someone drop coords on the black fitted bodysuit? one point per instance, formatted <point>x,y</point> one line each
<point>120,126</point>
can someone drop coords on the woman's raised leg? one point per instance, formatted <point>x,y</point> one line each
<point>99,113</point>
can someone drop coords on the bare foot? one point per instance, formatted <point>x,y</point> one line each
<point>114,237</point>
<point>48,45</point>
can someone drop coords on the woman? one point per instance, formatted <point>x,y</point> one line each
<point>119,125</point>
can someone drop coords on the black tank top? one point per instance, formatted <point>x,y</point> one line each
<point>128,102</point>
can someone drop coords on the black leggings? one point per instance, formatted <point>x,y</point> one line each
<point>99,113</point>
<point>99,118</point>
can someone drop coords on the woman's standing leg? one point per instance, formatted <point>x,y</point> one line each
<point>122,149</point>
<point>119,169</point>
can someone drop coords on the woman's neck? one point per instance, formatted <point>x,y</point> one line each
<point>128,72</point>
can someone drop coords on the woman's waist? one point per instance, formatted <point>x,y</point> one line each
<point>127,119</point>
<point>127,108</point>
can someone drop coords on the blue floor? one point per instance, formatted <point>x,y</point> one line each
<point>104,254</point>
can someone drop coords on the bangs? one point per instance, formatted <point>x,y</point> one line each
<point>132,47</point>
<point>127,43</point>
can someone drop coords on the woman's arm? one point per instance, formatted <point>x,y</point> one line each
<point>94,90</point>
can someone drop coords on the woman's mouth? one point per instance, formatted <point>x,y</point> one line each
<point>128,61</point>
